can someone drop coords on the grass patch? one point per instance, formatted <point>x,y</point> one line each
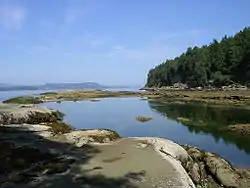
<point>143,118</point>
<point>24,100</point>
<point>110,136</point>
<point>49,93</point>
<point>95,100</point>
<point>59,127</point>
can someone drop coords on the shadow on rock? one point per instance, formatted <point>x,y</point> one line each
<point>30,160</point>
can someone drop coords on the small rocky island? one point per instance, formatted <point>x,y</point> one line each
<point>38,150</point>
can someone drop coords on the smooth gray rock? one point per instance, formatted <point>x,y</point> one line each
<point>210,170</point>
<point>223,171</point>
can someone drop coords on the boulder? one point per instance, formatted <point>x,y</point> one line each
<point>222,171</point>
<point>210,170</point>
<point>82,137</point>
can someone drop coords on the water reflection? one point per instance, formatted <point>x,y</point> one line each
<point>200,119</point>
<point>201,126</point>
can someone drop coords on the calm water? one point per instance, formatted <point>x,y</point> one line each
<point>201,126</point>
<point>119,114</point>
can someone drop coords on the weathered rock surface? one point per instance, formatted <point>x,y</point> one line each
<point>82,137</point>
<point>206,170</point>
<point>18,114</point>
<point>31,159</point>
<point>23,166</point>
<point>43,158</point>
<point>174,154</point>
<point>210,170</point>
<point>42,130</point>
<point>139,164</point>
<point>31,154</point>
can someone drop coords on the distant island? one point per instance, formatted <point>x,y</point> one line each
<point>52,86</point>
<point>218,64</point>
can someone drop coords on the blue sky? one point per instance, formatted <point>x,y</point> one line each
<point>111,42</point>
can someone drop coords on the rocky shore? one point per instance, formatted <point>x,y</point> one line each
<point>72,95</point>
<point>31,114</point>
<point>218,97</point>
<point>37,150</point>
<point>237,98</point>
<point>232,98</point>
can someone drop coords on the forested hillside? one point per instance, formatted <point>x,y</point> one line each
<point>216,64</point>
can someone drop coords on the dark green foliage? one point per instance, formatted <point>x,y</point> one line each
<point>220,63</point>
<point>59,127</point>
<point>49,93</point>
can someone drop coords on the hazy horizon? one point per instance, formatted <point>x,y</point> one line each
<point>41,84</point>
<point>108,42</point>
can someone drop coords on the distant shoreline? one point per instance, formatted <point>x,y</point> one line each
<point>230,98</point>
<point>71,95</point>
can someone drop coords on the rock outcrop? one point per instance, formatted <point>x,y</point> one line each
<point>210,170</point>
<point>174,154</point>
<point>19,114</point>
<point>206,170</point>
<point>31,154</point>
<point>83,137</point>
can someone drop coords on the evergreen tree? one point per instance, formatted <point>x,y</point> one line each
<point>219,63</point>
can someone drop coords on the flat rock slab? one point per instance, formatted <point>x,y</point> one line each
<point>128,163</point>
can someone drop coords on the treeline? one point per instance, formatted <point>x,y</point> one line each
<point>216,64</point>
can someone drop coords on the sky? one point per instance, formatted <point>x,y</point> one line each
<point>112,42</point>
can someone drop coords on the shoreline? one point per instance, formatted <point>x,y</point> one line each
<point>193,166</point>
<point>240,98</point>
<point>237,99</point>
<point>74,95</point>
